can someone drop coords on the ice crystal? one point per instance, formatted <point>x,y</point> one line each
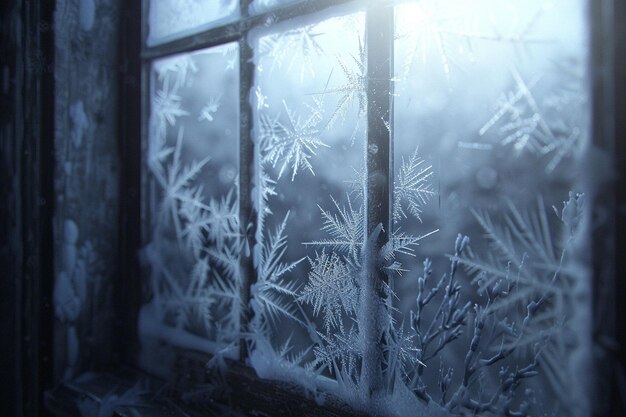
<point>353,90</point>
<point>526,259</point>
<point>330,289</point>
<point>261,99</point>
<point>274,292</point>
<point>197,220</point>
<point>452,27</point>
<point>291,48</point>
<point>196,240</point>
<point>487,347</point>
<point>346,230</point>
<point>223,222</point>
<point>412,187</point>
<point>339,353</point>
<point>181,66</point>
<point>401,355</point>
<point>526,129</point>
<point>401,243</point>
<point>176,185</point>
<point>292,144</point>
<point>540,127</point>
<point>166,107</point>
<point>211,108</point>
<point>333,289</point>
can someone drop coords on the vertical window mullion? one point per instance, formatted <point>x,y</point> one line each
<point>247,215</point>
<point>379,44</point>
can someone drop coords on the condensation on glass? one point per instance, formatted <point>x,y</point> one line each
<point>172,19</point>
<point>191,198</point>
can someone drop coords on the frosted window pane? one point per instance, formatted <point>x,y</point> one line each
<point>260,6</point>
<point>310,130</point>
<point>171,19</point>
<point>490,120</point>
<point>191,221</point>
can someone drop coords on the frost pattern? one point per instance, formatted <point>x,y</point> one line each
<point>334,287</point>
<point>330,289</point>
<point>485,349</point>
<point>525,258</point>
<point>413,188</point>
<point>274,293</point>
<point>301,142</point>
<point>520,281</point>
<point>294,143</point>
<point>293,127</point>
<point>194,245</point>
<point>353,90</point>
<point>539,127</point>
<point>477,336</point>
<point>196,226</point>
<point>211,107</point>
<point>294,49</point>
<point>450,30</point>
<point>467,331</point>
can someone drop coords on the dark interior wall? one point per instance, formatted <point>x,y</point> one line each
<point>59,207</point>
<point>9,209</point>
<point>608,47</point>
<point>86,182</point>
<point>26,126</point>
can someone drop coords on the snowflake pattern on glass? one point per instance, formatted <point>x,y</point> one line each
<point>192,218</point>
<point>487,107</point>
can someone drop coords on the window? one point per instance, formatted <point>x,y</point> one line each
<point>380,201</point>
<point>397,208</point>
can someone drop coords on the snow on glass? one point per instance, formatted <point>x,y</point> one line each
<point>171,19</point>
<point>191,223</point>
<point>483,260</point>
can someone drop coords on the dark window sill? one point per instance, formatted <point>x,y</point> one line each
<point>126,392</point>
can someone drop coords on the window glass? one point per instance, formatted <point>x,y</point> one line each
<point>310,105</point>
<point>191,216</point>
<point>491,116</point>
<point>171,19</point>
<point>484,270</point>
